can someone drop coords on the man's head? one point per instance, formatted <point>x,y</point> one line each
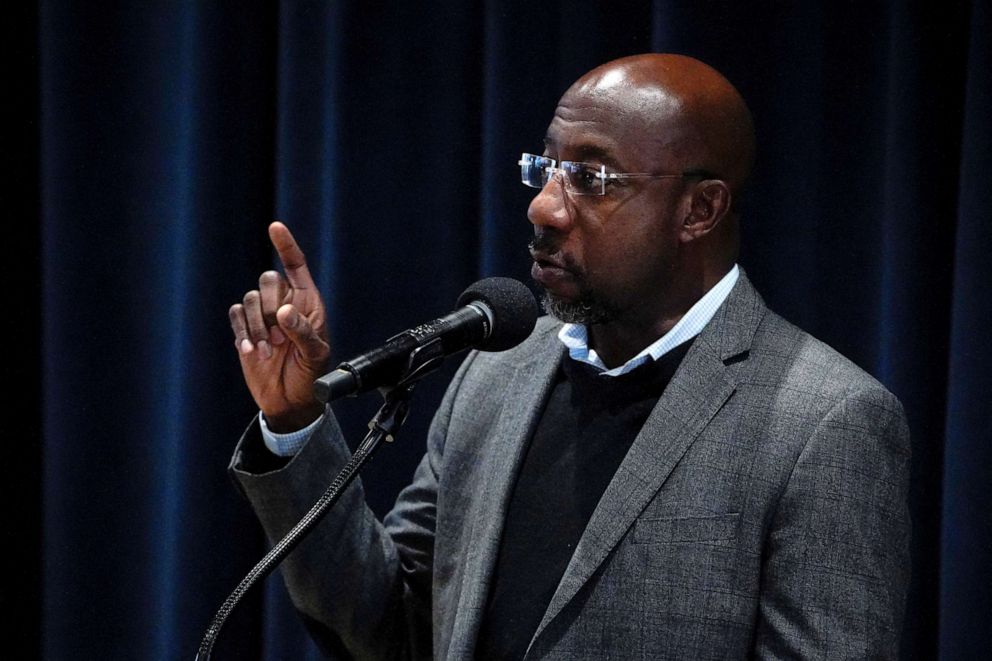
<point>649,244</point>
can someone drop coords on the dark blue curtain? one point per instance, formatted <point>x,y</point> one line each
<point>154,141</point>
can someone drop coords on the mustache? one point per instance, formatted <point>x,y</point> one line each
<point>544,243</point>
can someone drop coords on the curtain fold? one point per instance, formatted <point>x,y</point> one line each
<point>966,525</point>
<point>386,136</point>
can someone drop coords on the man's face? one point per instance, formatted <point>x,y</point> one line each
<point>609,258</point>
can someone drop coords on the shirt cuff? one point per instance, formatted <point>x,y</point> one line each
<point>286,445</point>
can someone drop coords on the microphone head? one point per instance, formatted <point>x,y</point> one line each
<point>514,311</point>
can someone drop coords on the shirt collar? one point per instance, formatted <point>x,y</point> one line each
<point>576,336</point>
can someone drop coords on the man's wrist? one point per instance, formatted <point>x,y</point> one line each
<point>293,421</point>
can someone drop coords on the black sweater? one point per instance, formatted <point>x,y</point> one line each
<point>588,425</point>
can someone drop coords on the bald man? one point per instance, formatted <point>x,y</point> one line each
<point>665,469</point>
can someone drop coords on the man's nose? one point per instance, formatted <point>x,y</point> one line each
<point>550,206</point>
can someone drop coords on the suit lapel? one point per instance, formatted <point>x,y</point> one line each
<point>696,392</point>
<point>526,393</point>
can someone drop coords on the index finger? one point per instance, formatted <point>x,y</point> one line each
<point>292,258</point>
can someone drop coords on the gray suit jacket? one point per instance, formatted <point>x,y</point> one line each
<point>761,512</point>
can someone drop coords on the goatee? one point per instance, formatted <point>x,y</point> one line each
<point>588,309</point>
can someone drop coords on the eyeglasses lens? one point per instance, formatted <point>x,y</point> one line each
<point>533,170</point>
<point>582,179</point>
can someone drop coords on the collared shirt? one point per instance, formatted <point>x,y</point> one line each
<point>576,338</point>
<point>286,445</point>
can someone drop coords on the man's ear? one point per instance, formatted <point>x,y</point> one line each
<point>709,204</point>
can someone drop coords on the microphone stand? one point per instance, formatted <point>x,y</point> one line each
<point>383,427</point>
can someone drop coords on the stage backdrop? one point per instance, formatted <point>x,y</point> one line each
<point>386,135</point>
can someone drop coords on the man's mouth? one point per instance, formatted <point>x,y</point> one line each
<point>544,260</point>
<point>553,273</point>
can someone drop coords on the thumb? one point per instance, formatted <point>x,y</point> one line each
<point>313,349</point>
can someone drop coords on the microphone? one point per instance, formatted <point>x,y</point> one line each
<point>494,314</point>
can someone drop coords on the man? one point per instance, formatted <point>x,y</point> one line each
<point>675,473</point>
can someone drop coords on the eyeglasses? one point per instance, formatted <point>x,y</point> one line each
<point>583,178</point>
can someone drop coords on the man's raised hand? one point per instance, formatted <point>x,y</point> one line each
<point>280,332</point>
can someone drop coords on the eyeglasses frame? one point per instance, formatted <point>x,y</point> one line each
<point>559,169</point>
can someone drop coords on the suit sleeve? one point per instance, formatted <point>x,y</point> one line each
<point>362,588</point>
<point>836,566</point>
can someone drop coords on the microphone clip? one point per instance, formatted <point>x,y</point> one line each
<point>423,360</point>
